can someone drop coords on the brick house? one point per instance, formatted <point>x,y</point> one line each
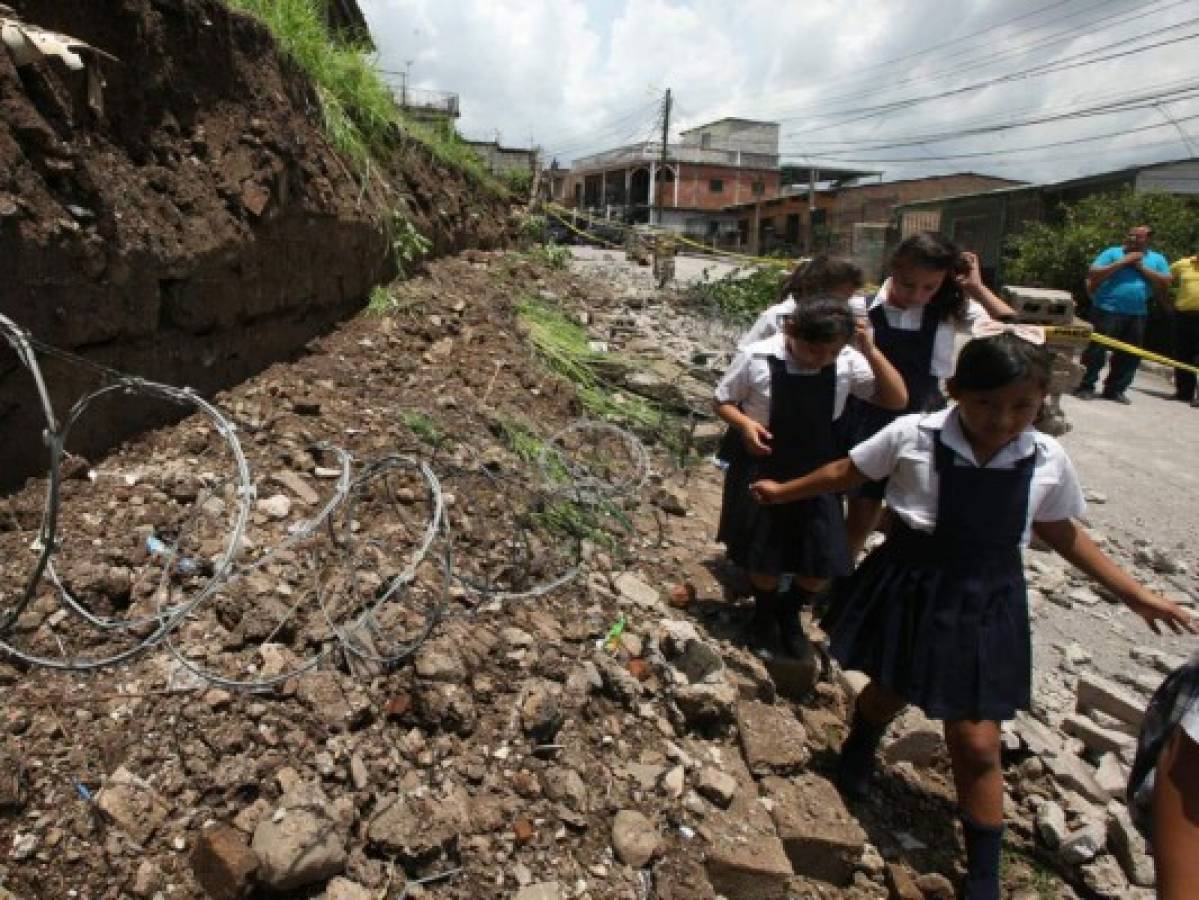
<point>714,166</point>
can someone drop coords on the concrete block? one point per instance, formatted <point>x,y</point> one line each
<point>822,840</point>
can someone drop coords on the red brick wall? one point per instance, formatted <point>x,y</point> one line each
<point>695,186</point>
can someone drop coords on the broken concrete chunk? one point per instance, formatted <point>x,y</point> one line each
<point>771,738</point>
<point>822,840</point>
<point>1094,692</point>
<point>634,838</point>
<point>224,864</point>
<point>133,804</point>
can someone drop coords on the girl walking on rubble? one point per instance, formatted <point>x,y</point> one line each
<point>934,291</point>
<point>937,616</point>
<point>782,395</point>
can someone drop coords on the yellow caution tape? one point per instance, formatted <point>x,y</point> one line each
<point>1075,331</point>
<point>590,237</point>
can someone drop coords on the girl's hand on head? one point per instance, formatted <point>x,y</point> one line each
<point>1156,610</point>
<point>972,280</point>
<point>757,438</point>
<point>766,491</point>
<point>863,340</point>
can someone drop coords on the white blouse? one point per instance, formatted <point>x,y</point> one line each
<point>747,381</point>
<point>904,451</point>
<point>911,318</point>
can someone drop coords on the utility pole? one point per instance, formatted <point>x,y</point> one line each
<point>662,162</point>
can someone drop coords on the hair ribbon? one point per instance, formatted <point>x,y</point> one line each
<point>990,328</point>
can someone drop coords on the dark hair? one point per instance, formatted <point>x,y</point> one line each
<point>819,275</point>
<point>994,362</point>
<point>929,250</point>
<point>821,320</point>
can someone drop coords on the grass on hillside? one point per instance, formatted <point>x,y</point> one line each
<point>564,347</point>
<point>360,115</point>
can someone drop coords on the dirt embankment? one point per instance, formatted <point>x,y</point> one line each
<point>196,229</point>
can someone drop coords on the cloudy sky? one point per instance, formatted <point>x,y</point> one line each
<point>852,82</point>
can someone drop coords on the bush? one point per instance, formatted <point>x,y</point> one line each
<point>741,296</point>
<point>1058,254</point>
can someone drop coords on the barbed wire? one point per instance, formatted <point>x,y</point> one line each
<point>374,597</point>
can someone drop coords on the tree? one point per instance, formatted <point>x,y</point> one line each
<point>1057,254</point>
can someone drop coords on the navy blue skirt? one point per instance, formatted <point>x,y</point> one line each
<point>803,538</point>
<point>944,628</point>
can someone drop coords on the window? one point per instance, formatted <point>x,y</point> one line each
<point>759,188</point>
<point>716,186</point>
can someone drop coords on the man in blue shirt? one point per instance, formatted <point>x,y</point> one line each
<point>1122,281</point>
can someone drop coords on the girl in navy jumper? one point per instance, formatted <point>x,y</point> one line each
<point>782,395</point>
<point>934,291</point>
<point>937,616</point>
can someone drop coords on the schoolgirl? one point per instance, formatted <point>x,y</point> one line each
<point>782,396</point>
<point>933,292</point>
<point>937,616</point>
<point>821,276</point>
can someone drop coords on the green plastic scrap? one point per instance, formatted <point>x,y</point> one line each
<point>615,632</point>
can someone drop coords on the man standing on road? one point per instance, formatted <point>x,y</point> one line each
<point>1122,281</point>
<point>1186,326</point>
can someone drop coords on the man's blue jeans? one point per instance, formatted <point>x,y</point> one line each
<point>1122,327</point>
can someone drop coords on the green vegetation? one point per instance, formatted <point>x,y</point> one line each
<point>360,115</point>
<point>381,301</point>
<point>563,345</point>
<point>407,244</point>
<point>594,522</point>
<point>740,296</point>
<point>357,106</point>
<point>534,228</point>
<point>1057,254</point>
<point>518,181</point>
<point>424,428</point>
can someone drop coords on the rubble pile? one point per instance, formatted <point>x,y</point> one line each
<point>605,739</point>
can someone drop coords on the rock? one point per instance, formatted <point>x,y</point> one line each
<point>821,838</point>
<point>133,804</point>
<point>1035,735</point>
<point>1093,692</point>
<point>298,846</point>
<point>745,858</point>
<point>920,747</point>
<point>901,883</point>
<point>439,660</point>
<point>1097,738</point>
<point>681,595</point>
<point>935,886</point>
<point>14,781</point>
<point>717,786</point>
<point>619,683</point>
<point>223,863</point>
<point>771,738</point>
<point>1129,846</point>
<point>1083,844</point>
<point>673,783</point>
<point>1112,775</point>
<point>671,500</point>
<point>523,831</point>
<point>541,714</point>
<point>707,707</point>
<point>298,486</point>
<point>1051,824</point>
<point>344,889</point>
<point>564,785</point>
<point>326,698</point>
<point>1105,878</point>
<point>635,591</point>
<point>544,890</point>
<point>634,838</point>
<point>1073,773</point>
<point>419,828</point>
<point>276,507</point>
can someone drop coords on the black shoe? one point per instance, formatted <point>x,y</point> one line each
<point>1085,393</point>
<point>791,634</point>
<point>762,632</point>
<point>1119,397</point>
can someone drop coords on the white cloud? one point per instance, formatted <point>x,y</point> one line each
<point>577,76</point>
